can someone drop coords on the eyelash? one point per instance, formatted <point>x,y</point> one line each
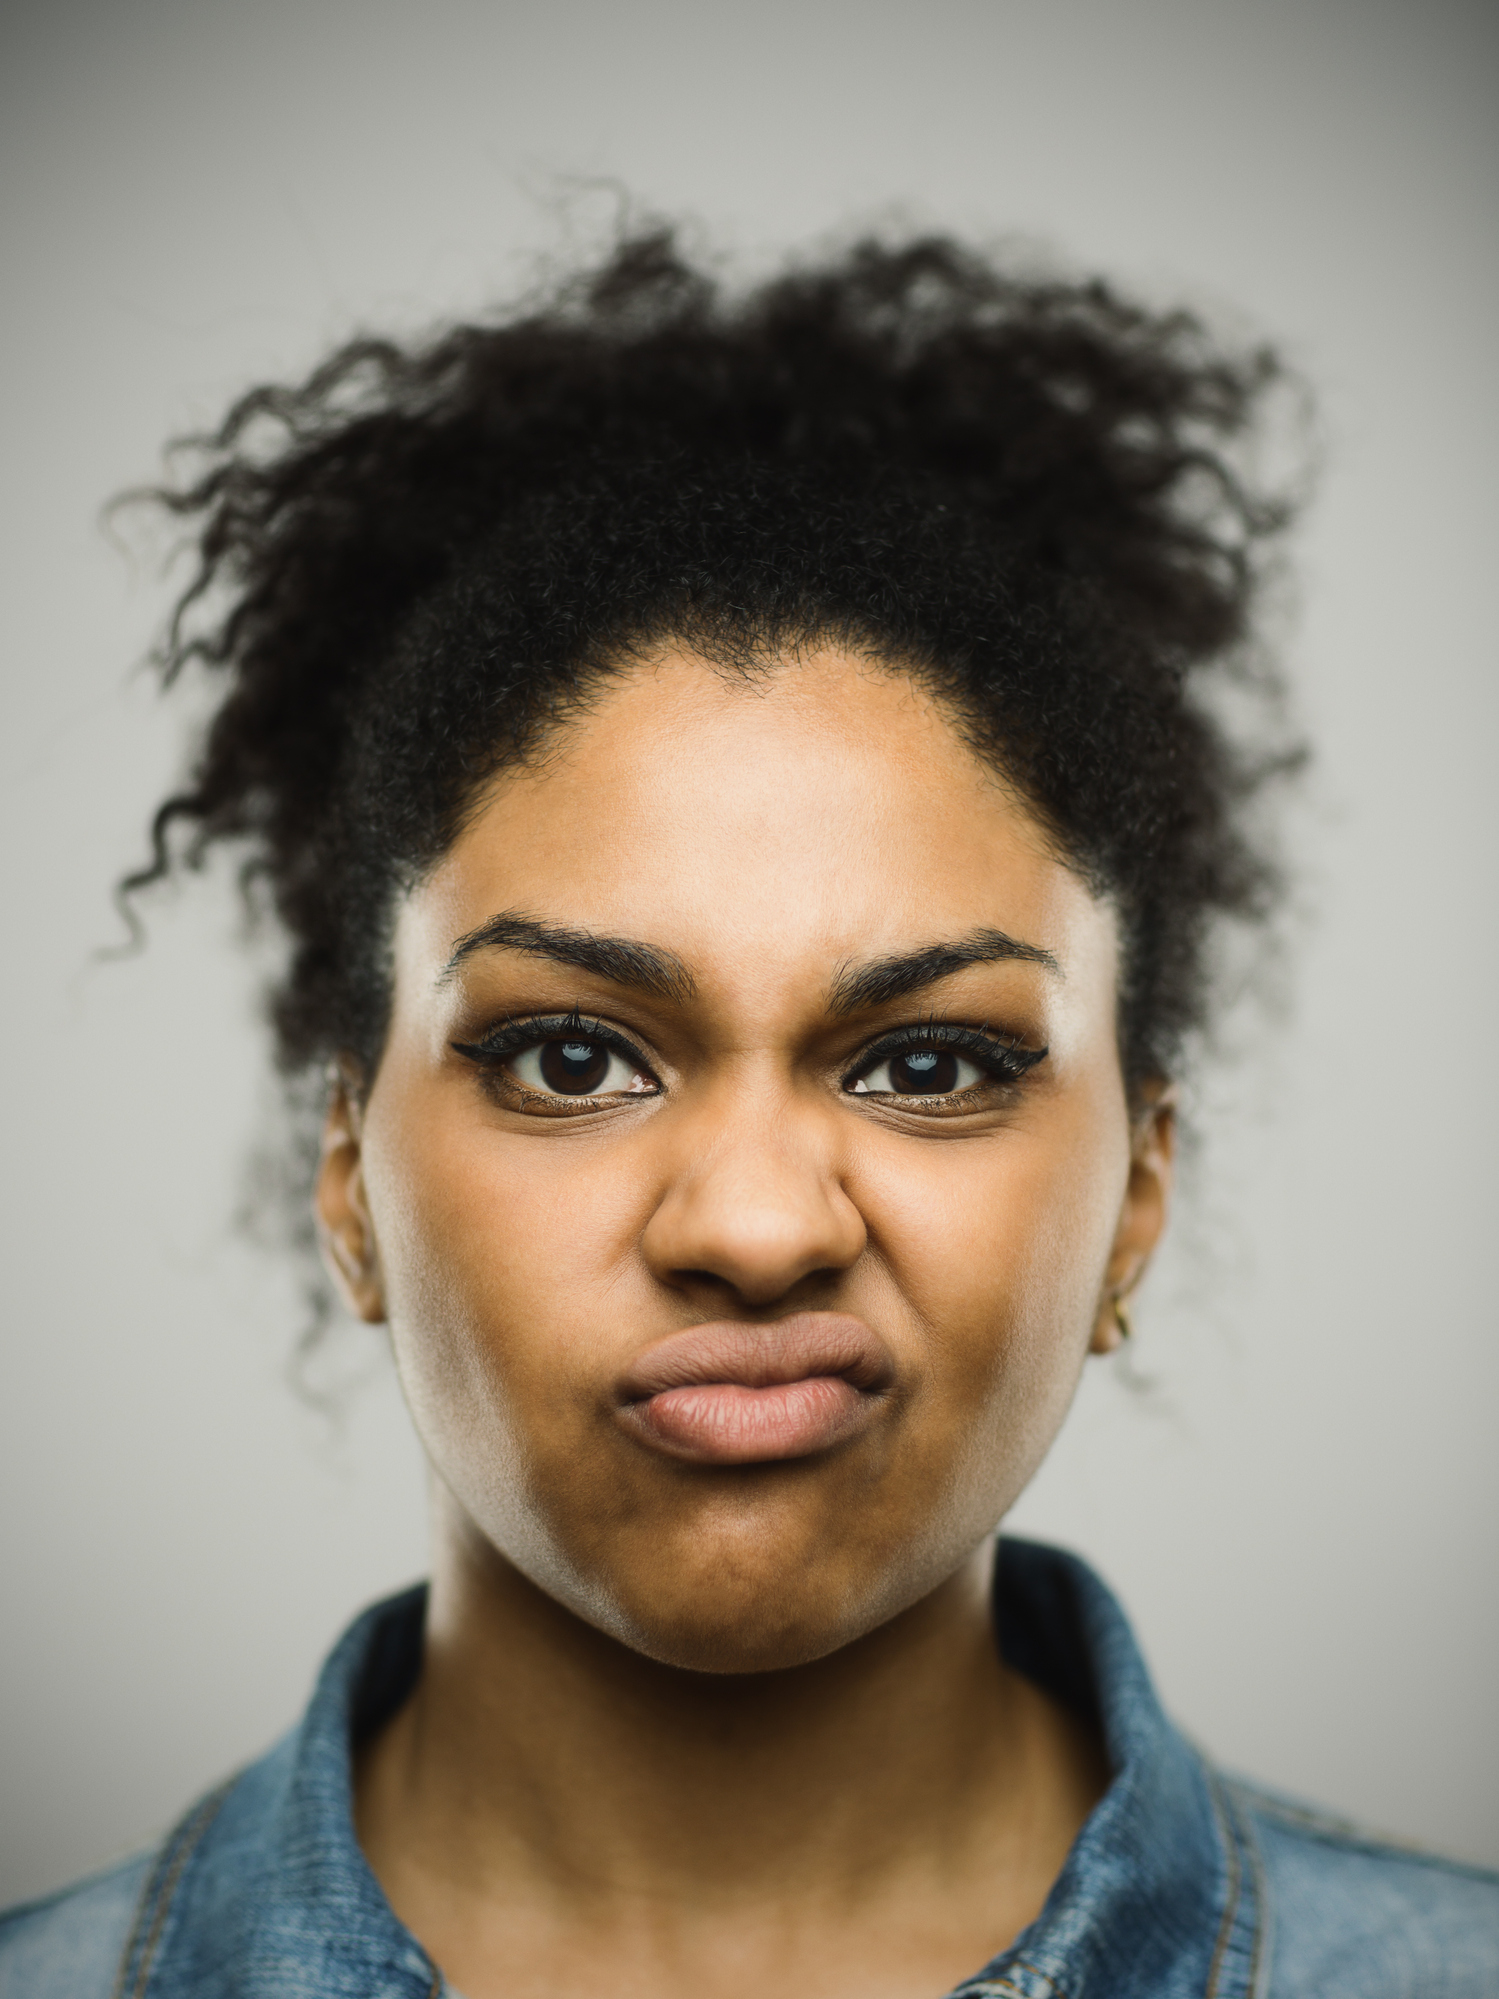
<point>1004,1061</point>
<point>511,1036</point>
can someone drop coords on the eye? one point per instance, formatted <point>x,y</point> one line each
<point>574,1066</point>
<point>920,1072</point>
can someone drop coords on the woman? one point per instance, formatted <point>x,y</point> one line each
<point>740,789</point>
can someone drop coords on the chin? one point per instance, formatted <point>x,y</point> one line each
<point>744,1574</point>
<point>724,1609</point>
<point>739,1632</point>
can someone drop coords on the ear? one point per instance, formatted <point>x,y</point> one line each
<point>1142,1218</point>
<point>345,1234</point>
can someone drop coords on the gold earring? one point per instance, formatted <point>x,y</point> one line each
<point>1123,1320</point>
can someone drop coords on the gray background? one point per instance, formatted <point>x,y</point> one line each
<point>195,195</point>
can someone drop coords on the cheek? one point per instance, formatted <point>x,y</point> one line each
<point>458,1254</point>
<point>999,1249</point>
<point>460,1224</point>
<point>497,1253</point>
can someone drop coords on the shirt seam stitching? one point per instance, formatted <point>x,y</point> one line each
<point>159,1893</point>
<point>1260,1890</point>
<point>1241,1862</point>
<point>1002,1988</point>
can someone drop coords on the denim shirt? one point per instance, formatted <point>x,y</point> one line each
<point>1181,1882</point>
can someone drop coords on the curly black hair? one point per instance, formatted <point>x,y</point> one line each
<point>1026,492</point>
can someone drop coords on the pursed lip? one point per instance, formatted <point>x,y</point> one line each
<point>736,1393</point>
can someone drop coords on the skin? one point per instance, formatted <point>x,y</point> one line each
<point>730,1728</point>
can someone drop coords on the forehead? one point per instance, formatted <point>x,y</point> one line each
<point>827,806</point>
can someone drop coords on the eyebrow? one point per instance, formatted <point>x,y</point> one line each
<point>623,961</point>
<point>626,961</point>
<point>884,979</point>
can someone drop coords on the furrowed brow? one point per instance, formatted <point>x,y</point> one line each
<point>623,961</point>
<point>884,979</point>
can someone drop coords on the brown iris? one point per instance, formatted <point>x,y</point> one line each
<point>573,1068</point>
<point>924,1072</point>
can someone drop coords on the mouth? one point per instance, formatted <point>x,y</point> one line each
<point>736,1394</point>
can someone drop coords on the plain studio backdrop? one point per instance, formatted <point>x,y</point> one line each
<point>1300,1515</point>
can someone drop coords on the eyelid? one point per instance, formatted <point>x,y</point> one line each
<point>509,1037</point>
<point>985,1045</point>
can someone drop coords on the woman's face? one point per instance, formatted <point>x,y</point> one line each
<point>748,1168</point>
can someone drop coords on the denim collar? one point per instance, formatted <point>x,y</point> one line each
<point>262,1892</point>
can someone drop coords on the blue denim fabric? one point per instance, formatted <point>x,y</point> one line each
<point>1182,1882</point>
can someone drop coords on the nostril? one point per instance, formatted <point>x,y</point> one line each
<point>755,1292</point>
<point>724,1234</point>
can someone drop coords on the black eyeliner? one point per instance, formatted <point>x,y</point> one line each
<point>510,1036</point>
<point>1005,1060</point>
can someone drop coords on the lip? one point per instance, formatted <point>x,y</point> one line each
<point>730,1393</point>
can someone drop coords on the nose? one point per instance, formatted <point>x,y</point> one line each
<point>756,1205</point>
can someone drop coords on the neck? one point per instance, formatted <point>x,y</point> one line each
<point>541,1764</point>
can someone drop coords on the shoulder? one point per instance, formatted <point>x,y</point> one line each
<point>69,1945</point>
<point>1357,1917</point>
<point>72,1945</point>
